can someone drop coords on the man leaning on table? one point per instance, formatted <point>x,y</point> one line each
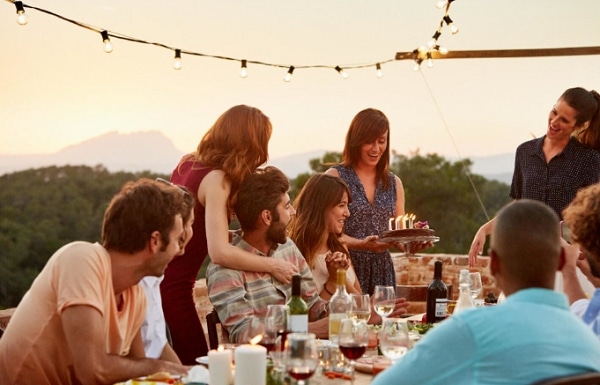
<point>79,323</point>
<point>532,335</point>
<point>264,210</point>
<point>582,217</point>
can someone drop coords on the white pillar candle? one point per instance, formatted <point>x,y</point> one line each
<point>250,365</point>
<point>219,367</point>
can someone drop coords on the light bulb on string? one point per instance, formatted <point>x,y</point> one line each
<point>379,71</point>
<point>441,49</point>
<point>434,39</point>
<point>341,71</point>
<point>441,4</point>
<point>450,24</point>
<point>288,75</point>
<point>429,60</point>
<point>106,40</point>
<point>177,61</point>
<point>21,16</point>
<point>417,65</point>
<point>244,70</point>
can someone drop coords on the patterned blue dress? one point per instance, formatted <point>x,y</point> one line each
<point>365,219</point>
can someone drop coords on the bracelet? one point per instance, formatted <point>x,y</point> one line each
<point>326,290</point>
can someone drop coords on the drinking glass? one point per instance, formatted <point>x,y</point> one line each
<point>276,321</point>
<point>360,307</point>
<point>354,336</point>
<point>394,339</point>
<point>301,356</point>
<point>476,286</point>
<point>384,300</point>
<point>255,330</point>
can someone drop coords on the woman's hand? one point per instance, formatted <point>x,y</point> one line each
<point>282,270</point>
<point>373,243</point>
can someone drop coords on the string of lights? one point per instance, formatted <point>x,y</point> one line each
<point>424,53</point>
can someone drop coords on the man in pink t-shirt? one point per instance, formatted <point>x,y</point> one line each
<point>80,320</point>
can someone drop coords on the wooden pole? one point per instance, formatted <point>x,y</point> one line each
<point>501,53</point>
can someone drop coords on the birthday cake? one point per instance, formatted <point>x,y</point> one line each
<point>417,229</point>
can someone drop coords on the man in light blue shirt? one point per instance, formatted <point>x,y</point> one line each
<point>531,336</point>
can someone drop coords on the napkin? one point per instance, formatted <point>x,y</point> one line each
<point>198,374</point>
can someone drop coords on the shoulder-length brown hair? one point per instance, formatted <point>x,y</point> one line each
<point>237,143</point>
<point>320,193</point>
<point>366,127</point>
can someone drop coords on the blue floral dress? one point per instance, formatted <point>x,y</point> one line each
<point>366,219</point>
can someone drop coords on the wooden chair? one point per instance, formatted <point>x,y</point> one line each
<point>212,320</point>
<point>575,379</point>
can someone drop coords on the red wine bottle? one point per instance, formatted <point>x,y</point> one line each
<point>437,296</point>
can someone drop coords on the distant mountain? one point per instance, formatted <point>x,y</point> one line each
<point>134,152</point>
<point>152,150</point>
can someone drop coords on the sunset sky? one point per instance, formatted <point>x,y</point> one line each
<point>58,87</point>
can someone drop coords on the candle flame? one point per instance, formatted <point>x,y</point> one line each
<point>256,339</point>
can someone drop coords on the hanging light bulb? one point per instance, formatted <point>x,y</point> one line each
<point>341,72</point>
<point>450,24</point>
<point>177,62</point>
<point>379,71</point>
<point>288,75</point>
<point>429,60</point>
<point>434,39</point>
<point>244,70</point>
<point>441,4</point>
<point>417,65</point>
<point>106,40</point>
<point>21,16</point>
<point>442,49</point>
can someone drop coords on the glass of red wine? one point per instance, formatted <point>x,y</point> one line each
<point>354,337</point>
<point>301,357</point>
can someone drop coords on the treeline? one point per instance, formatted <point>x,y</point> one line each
<point>43,209</point>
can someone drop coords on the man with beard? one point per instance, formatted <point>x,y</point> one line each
<point>582,216</point>
<point>264,210</point>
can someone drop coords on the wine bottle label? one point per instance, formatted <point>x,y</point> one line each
<point>299,323</point>
<point>440,307</point>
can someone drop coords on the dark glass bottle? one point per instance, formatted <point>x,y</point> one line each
<point>298,308</point>
<point>437,296</point>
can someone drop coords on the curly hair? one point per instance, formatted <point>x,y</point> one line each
<point>582,216</point>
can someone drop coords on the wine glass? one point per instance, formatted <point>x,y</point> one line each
<point>277,319</point>
<point>394,338</point>
<point>384,300</point>
<point>301,356</point>
<point>476,286</point>
<point>255,330</point>
<point>360,307</point>
<point>354,336</point>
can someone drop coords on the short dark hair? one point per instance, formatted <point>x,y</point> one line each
<point>139,209</point>
<point>260,191</point>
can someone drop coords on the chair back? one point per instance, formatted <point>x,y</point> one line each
<point>212,320</point>
<point>574,379</point>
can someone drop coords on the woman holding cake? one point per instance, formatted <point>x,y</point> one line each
<point>377,195</point>
<point>552,168</point>
<point>321,211</point>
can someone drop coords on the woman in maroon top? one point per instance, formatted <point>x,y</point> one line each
<point>231,149</point>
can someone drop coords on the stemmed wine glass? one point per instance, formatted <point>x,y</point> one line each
<point>354,337</point>
<point>476,286</point>
<point>384,300</point>
<point>394,338</point>
<point>360,307</point>
<point>301,357</point>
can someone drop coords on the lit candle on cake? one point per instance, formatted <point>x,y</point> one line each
<point>411,218</point>
<point>399,222</point>
<point>250,365</point>
<point>391,224</point>
<point>219,366</point>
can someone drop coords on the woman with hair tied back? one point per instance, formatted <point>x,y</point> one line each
<point>321,211</point>
<point>230,150</point>
<point>551,169</point>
